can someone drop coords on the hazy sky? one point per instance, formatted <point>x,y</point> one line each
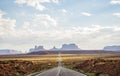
<point>91,24</point>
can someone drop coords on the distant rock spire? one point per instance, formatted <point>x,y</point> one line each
<point>37,48</point>
<point>69,47</point>
<point>54,48</point>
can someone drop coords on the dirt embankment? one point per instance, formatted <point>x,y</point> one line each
<point>21,68</point>
<point>100,67</point>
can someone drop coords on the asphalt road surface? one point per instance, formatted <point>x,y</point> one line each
<point>60,71</point>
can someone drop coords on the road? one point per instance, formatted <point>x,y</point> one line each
<point>59,71</point>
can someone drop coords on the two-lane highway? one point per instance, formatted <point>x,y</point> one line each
<point>51,72</point>
<point>60,71</point>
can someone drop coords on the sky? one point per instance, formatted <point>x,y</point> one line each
<point>91,24</point>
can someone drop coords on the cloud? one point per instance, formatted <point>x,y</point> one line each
<point>116,14</point>
<point>36,3</point>
<point>6,25</point>
<point>115,2</point>
<point>86,14</point>
<point>56,1</point>
<point>64,11</point>
<point>43,20</point>
<point>31,33</point>
<point>1,13</point>
<point>94,29</point>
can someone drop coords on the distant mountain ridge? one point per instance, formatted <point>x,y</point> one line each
<point>71,47</point>
<point>74,52</point>
<point>9,51</point>
<point>112,48</point>
<point>65,47</point>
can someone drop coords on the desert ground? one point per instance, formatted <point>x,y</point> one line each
<point>89,64</point>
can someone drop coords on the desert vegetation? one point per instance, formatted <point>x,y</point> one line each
<point>89,64</point>
<point>22,68</point>
<point>105,66</point>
